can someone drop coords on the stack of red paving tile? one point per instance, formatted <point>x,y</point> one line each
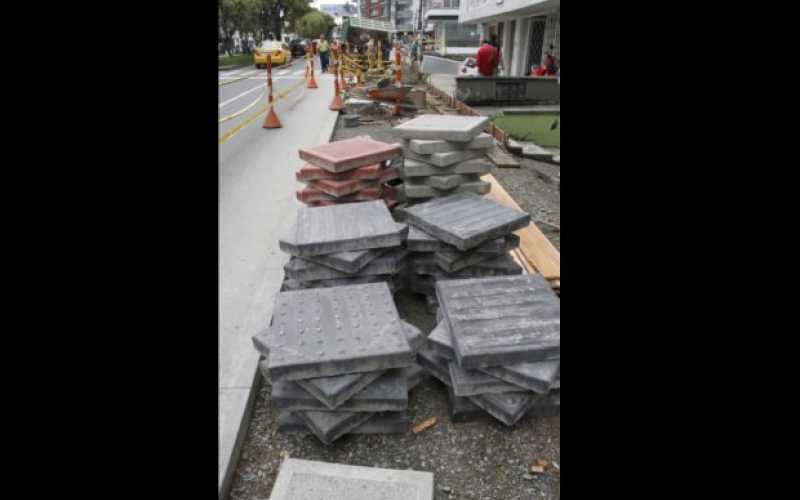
<point>348,171</point>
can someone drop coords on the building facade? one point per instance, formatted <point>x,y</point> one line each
<point>441,18</point>
<point>525,29</point>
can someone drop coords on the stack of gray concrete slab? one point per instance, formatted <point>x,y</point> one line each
<point>497,347</point>
<point>459,236</point>
<point>353,243</point>
<point>444,154</point>
<point>340,360</point>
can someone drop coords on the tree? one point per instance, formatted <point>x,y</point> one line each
<point>314,23</point>
<point>237,15</point>
<point>270,20</point>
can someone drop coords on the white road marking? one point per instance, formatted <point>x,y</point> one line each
<point>225,103</point>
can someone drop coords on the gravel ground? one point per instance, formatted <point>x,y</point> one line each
<point>481,460</point>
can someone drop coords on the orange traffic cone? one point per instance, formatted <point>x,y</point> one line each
<point>336,104</point>
<point>272,121</point>
<point>312,83</point>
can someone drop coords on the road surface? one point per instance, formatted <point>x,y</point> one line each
<point>256,206</point>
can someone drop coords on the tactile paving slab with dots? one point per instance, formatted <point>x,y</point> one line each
<point>501,320</point>
<point>334,331</point>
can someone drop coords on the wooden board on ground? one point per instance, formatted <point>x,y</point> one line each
<point>534,246</point>
<point>502,159</point>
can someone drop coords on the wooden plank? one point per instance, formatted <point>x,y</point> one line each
<point>534,245</point>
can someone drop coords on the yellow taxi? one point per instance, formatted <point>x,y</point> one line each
<point>280,53</point>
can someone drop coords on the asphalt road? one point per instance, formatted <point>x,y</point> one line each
<point>256,206</point>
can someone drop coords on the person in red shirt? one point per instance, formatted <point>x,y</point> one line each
<point>487,59</point>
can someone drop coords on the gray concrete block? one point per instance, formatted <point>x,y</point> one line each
<point>414,336</point>
<point>343,228</point>
<point>462,409</point>
<point>312,480</point>
<point>425,191</point>
<point>473,382</point>
<point>414,168</point>
<point>390,422</point>
<point>389,263</point>
<point>435,365</point>
<point>501,320</point>
<point>334,391</point>
<point>430,146</point>
<point>414,374</point>
<point>508,407</point>
<point>445,127</point>
<point>448,159</point>
<point>329,426</point>
<point>348,262</point>
<point>335,331</point>
<point>444,182</point>
<point>419,241</point>
<point>475,271</point>
<point>388,393</point>
<point>465,220</point>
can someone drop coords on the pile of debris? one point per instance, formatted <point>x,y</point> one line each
<point>497,347</point>
<point>444,154</point>
<point>347,244</point>
<point>340,360</point>
<point>348,171</point>
<point>459,236</point>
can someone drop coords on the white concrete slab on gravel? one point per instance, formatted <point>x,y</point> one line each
<point>256,204</point>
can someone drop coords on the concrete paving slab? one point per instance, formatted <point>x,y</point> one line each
<point>501,320</point>
<point>536,376</point>
<point>290,285</point>
<point>344,187</point>
<point>508,407</point>
<point>329,426</point>
<point>334,331</point>
<point>388,392</point>
<point>502,159</point>
<point>453,260</point>
<point>413,168</point>
<point>443,127</point>
<point>475,271</point>
<point>390,422</point>
<point>414,374</point>
<point>430,146</point>
<point>304,270</point>
<point>465,220</point>
<point>334,391</point>
<point>348,262</point>
<point>340,156</point>
<point>425,191</point>
<point>446,182</point>
<point>309,172</point>
<point>435,365</point>
<point>312,480</point>
<point>343,228</point>
<point>473,382</point>
<point>420,241</point>
<point>311,194</point>
<point>462,409</point>
<point>447,159</point>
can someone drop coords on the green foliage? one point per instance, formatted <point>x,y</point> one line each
<point>313,24</point>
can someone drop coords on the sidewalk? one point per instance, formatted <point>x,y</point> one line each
<point>256,205</point>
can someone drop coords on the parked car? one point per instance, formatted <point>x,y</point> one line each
<point>298,47</point>
<point>278,50</point>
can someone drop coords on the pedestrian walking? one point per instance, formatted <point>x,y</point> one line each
<point>324,50</point>
<point>487,59</point>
